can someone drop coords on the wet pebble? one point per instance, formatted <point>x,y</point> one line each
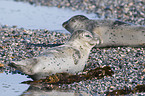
<point>127,63</point>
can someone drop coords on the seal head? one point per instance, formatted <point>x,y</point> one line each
<point>75,22</point>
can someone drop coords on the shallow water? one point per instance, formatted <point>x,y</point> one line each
<point>10,84</point>
<point>35,17</point>
<point>27,16</point>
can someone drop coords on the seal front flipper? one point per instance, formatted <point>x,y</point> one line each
<point>76,56</point>
<point>119,23</point>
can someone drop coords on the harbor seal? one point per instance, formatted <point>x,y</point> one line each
<point>113,33</point>
<point>70,57</point>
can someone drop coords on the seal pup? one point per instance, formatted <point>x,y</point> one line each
<point>113,33</point>
<point>69,58</point>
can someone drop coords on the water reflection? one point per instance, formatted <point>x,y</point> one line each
<point>37,91</point>
<point>10,85</point>
<point>31,17</point>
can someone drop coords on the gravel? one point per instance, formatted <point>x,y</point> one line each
<point>127,63</point>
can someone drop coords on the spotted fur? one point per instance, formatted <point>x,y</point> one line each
<point>113,33</point>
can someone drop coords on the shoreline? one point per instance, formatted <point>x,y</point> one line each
<point>127,63</point>
<point>132,11</point>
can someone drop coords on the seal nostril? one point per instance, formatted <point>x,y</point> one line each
<point>65,23</point>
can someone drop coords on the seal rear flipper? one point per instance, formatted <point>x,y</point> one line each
<point>21,66</point>
<point>13,64</point>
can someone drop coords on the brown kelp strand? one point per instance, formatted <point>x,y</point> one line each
<point>65,78</point>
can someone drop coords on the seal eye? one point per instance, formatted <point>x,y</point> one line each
<point>88,36</point>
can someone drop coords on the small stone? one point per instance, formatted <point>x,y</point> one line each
<point>1,65</point>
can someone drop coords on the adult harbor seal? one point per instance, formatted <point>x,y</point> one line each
<point>113,33</point>
<point>70,57</point>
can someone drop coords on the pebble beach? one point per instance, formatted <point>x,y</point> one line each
<point>127,63</point>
